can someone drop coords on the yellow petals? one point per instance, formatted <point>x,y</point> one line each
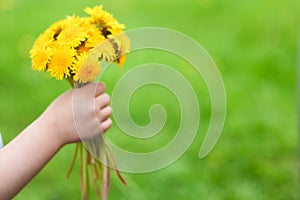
<point>74,47</point>
<point>60,63</point>
<point>94,11</point>
<point>121,60</point>
<point>104,21</point>
<point>40,59</point>
<point>106,51</point>
<point>87,70</point>
<point>95,39</point>
<point>41,43</point>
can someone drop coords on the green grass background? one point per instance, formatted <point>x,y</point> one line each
<point>254,44</point>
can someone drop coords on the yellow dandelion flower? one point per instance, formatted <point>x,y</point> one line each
<point>95,11</point>
<point>121,45</point>
<point>73,34</point>
<point>106,51</point>
<point>87,68</point>
<point>54,45</point>
<point>80,58</point>
<point>83,48</point>
<point>95,39</point>
<point>60,63</point>
<point>66,45</point>
<point>41,59</point>
<point>122,42</point>
<point>41,43</point>
<point>57,27</point>
<point>104,21</point>
<point>84,22</point>
<point>114,27</point>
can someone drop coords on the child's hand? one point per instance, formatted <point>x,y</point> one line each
<point>79,114</point>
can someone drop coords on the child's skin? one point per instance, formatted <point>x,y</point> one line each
<point>29,152</point>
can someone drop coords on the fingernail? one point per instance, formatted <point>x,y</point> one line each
<point>101,83</point>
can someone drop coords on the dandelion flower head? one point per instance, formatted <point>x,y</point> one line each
<point>63,49</point>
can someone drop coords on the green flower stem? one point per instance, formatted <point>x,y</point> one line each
<point>91,167</point>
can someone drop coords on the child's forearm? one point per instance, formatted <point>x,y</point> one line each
<point>25,156</point>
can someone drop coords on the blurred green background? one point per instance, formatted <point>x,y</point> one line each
<point>254,44</point>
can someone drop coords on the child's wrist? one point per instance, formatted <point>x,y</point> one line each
<point>50,131</point>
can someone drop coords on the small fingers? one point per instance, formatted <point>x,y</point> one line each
<point>102,101</point>
<point>105,113</point>
<point>105,125</point>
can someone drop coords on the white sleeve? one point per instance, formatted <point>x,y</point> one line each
<point>1,142</point>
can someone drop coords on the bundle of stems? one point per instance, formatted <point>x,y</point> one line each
<point>96,161</point>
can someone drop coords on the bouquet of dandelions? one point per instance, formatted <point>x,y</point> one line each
<point>73,49</point>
